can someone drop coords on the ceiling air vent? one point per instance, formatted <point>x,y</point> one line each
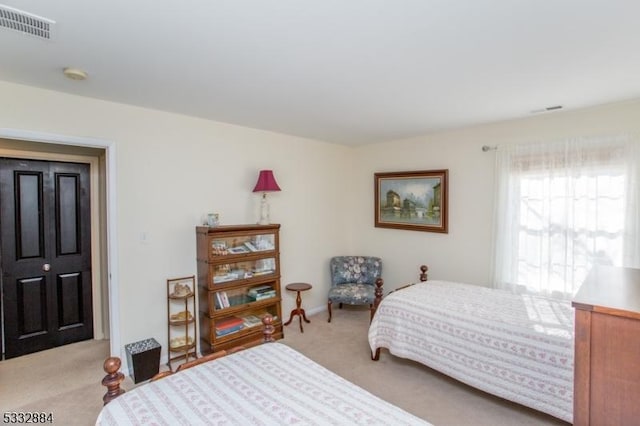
<point>26,23</point>
<point>547,109</point>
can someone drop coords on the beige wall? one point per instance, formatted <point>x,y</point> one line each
<point>464,254</point>
<point>173,169</point>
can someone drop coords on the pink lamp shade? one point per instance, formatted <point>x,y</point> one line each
<point>266,182</point>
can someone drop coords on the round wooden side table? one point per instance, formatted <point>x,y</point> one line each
<point>298,287</point>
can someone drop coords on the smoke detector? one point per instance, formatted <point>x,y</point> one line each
<point>26,23</point>
<point>74,73</point>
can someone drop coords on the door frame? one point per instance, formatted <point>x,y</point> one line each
<point>110,209</point>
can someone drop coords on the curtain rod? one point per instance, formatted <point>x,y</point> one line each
<point>486,148</point>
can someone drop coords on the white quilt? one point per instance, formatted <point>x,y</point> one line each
<point>270,384</point>
<point>518,347</point>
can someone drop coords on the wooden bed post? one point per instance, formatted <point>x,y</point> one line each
<point>376,302</point>
<point>112,380</point>
<point>377,299</point>
<point>375,356</point>
<point>268,328</point>
<point>423,273</point>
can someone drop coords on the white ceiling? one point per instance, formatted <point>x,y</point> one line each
<point>345,71</point>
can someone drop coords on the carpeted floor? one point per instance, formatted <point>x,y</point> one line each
<point>66,381</point>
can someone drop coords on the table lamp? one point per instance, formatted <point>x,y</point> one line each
<point>266,183</point>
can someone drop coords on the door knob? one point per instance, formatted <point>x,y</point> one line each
<point>46,267</point>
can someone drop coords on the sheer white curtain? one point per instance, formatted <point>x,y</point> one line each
<point>563,207</point>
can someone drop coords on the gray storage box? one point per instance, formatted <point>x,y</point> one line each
<point>143,358</point>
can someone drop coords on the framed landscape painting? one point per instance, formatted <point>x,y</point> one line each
<point>412,200</point>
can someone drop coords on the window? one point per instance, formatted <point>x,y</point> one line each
<point>562,208</point>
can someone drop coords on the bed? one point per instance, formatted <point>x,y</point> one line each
<point>518,347</point>
<point>268,384</point>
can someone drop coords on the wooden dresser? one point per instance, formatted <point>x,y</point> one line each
<point>607,348</point>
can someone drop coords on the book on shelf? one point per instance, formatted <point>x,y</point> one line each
<point>250,246</point>
<point>260,289</point>
<point>228,322</point>
<point>257,293</point>
<point>265,295</point>
<point>223,278</point>
<point>262,312</point>
<point>219,303</point>
<point>229,330</point>
<point>225,299</point>
<point>251,320</point>
<point>238,250</point>
<point>239,299</point>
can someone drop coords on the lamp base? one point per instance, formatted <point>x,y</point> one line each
<point>264,210</point>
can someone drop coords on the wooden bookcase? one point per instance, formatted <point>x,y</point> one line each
<point>238,283</point>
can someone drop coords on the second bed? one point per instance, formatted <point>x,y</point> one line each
<point>518,347</point>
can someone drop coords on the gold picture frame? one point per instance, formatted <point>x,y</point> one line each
<point>412,200</point>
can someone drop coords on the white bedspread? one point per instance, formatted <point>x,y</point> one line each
<point>518,347</point>
<point>270,384</point>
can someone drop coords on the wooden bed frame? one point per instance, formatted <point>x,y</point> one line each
<point>545,363</point>
<point>379,293</point>
<point>114,377</point>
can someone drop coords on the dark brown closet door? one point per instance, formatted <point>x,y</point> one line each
<point>45,254</point>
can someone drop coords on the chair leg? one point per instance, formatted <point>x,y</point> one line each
<point>340,305</point>
<point>329,309</point>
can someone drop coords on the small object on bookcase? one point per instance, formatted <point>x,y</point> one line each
<point>213,219</point>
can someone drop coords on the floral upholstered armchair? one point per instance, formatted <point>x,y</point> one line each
<point>353,280</point>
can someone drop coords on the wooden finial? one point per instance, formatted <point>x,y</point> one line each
<point>268,329</point>
<point>378,292</point>
<point>423,272</point>
<point>113,379</point>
